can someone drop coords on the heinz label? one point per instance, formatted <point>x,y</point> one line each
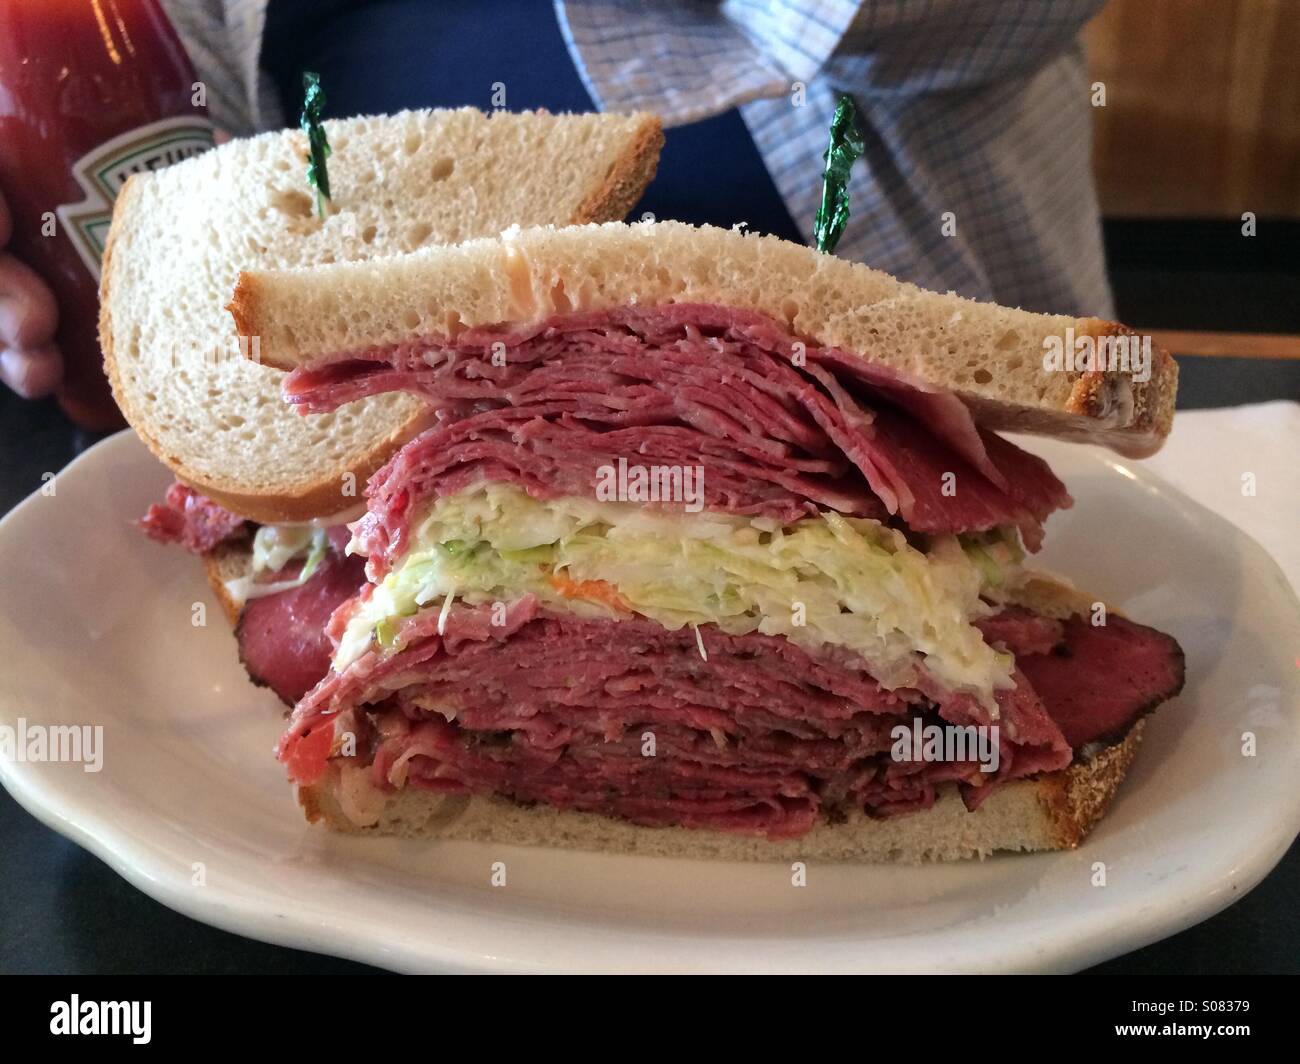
<point>102,172</point>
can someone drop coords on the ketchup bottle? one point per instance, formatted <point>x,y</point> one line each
<point>91,91</point>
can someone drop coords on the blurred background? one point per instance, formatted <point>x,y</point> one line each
<point>1202,125</point>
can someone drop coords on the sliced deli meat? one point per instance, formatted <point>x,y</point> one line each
<point>780,427</point>
<point>1102,677</point>
<point>628,719</point>
<point>282,637</point>
<point>755,734</point>
<point>1022,631</point>
<point>281,629</point>
<point>191,520</point>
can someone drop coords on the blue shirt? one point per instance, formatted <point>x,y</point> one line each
<point>976,114</point>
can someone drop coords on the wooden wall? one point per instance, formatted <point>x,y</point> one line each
<point>1202,115</point>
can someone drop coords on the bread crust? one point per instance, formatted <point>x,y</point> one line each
<point>226,561</point>
<point>1093,396</point>
<point>623,186</point>
<point>126,204</point>
<point>318,499</point>
<point>627,180</point>
<point>244,309</point>
<point>1077,797</point>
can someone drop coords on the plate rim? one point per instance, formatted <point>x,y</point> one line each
<point>229,911</point>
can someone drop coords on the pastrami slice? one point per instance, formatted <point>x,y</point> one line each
<point>283,642</point>
<point>761,736</point>
<point>780,427</point>
<point>191,520</point>
<point>1101,678</point>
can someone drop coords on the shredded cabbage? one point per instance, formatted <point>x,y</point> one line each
<point>825,579</point>
<point>274,547</point>
<point>997,553</point>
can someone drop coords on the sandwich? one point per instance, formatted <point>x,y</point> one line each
<point>711,547</point>
<point>261,494</point>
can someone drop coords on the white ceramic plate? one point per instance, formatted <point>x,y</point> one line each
<point>191,808</point>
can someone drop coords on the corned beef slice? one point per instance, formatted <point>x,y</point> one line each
<point>1021,631</point>
<point>762,737</point>
<point>781,428</point>
<point>192,520</point>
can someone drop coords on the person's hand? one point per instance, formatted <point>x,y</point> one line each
<point>29,362</point>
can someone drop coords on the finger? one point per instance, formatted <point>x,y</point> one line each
<point>28,313</point>
<point>33,373</point>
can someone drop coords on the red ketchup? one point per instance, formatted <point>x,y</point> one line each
<point>91,92</point>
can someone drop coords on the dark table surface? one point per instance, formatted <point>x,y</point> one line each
<point>65,911</point>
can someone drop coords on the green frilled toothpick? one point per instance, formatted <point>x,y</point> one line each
<point>318,147</point>
<point>843,151</point>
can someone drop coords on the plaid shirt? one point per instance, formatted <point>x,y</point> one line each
<point>224,42</point>
<point>975,113</point>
